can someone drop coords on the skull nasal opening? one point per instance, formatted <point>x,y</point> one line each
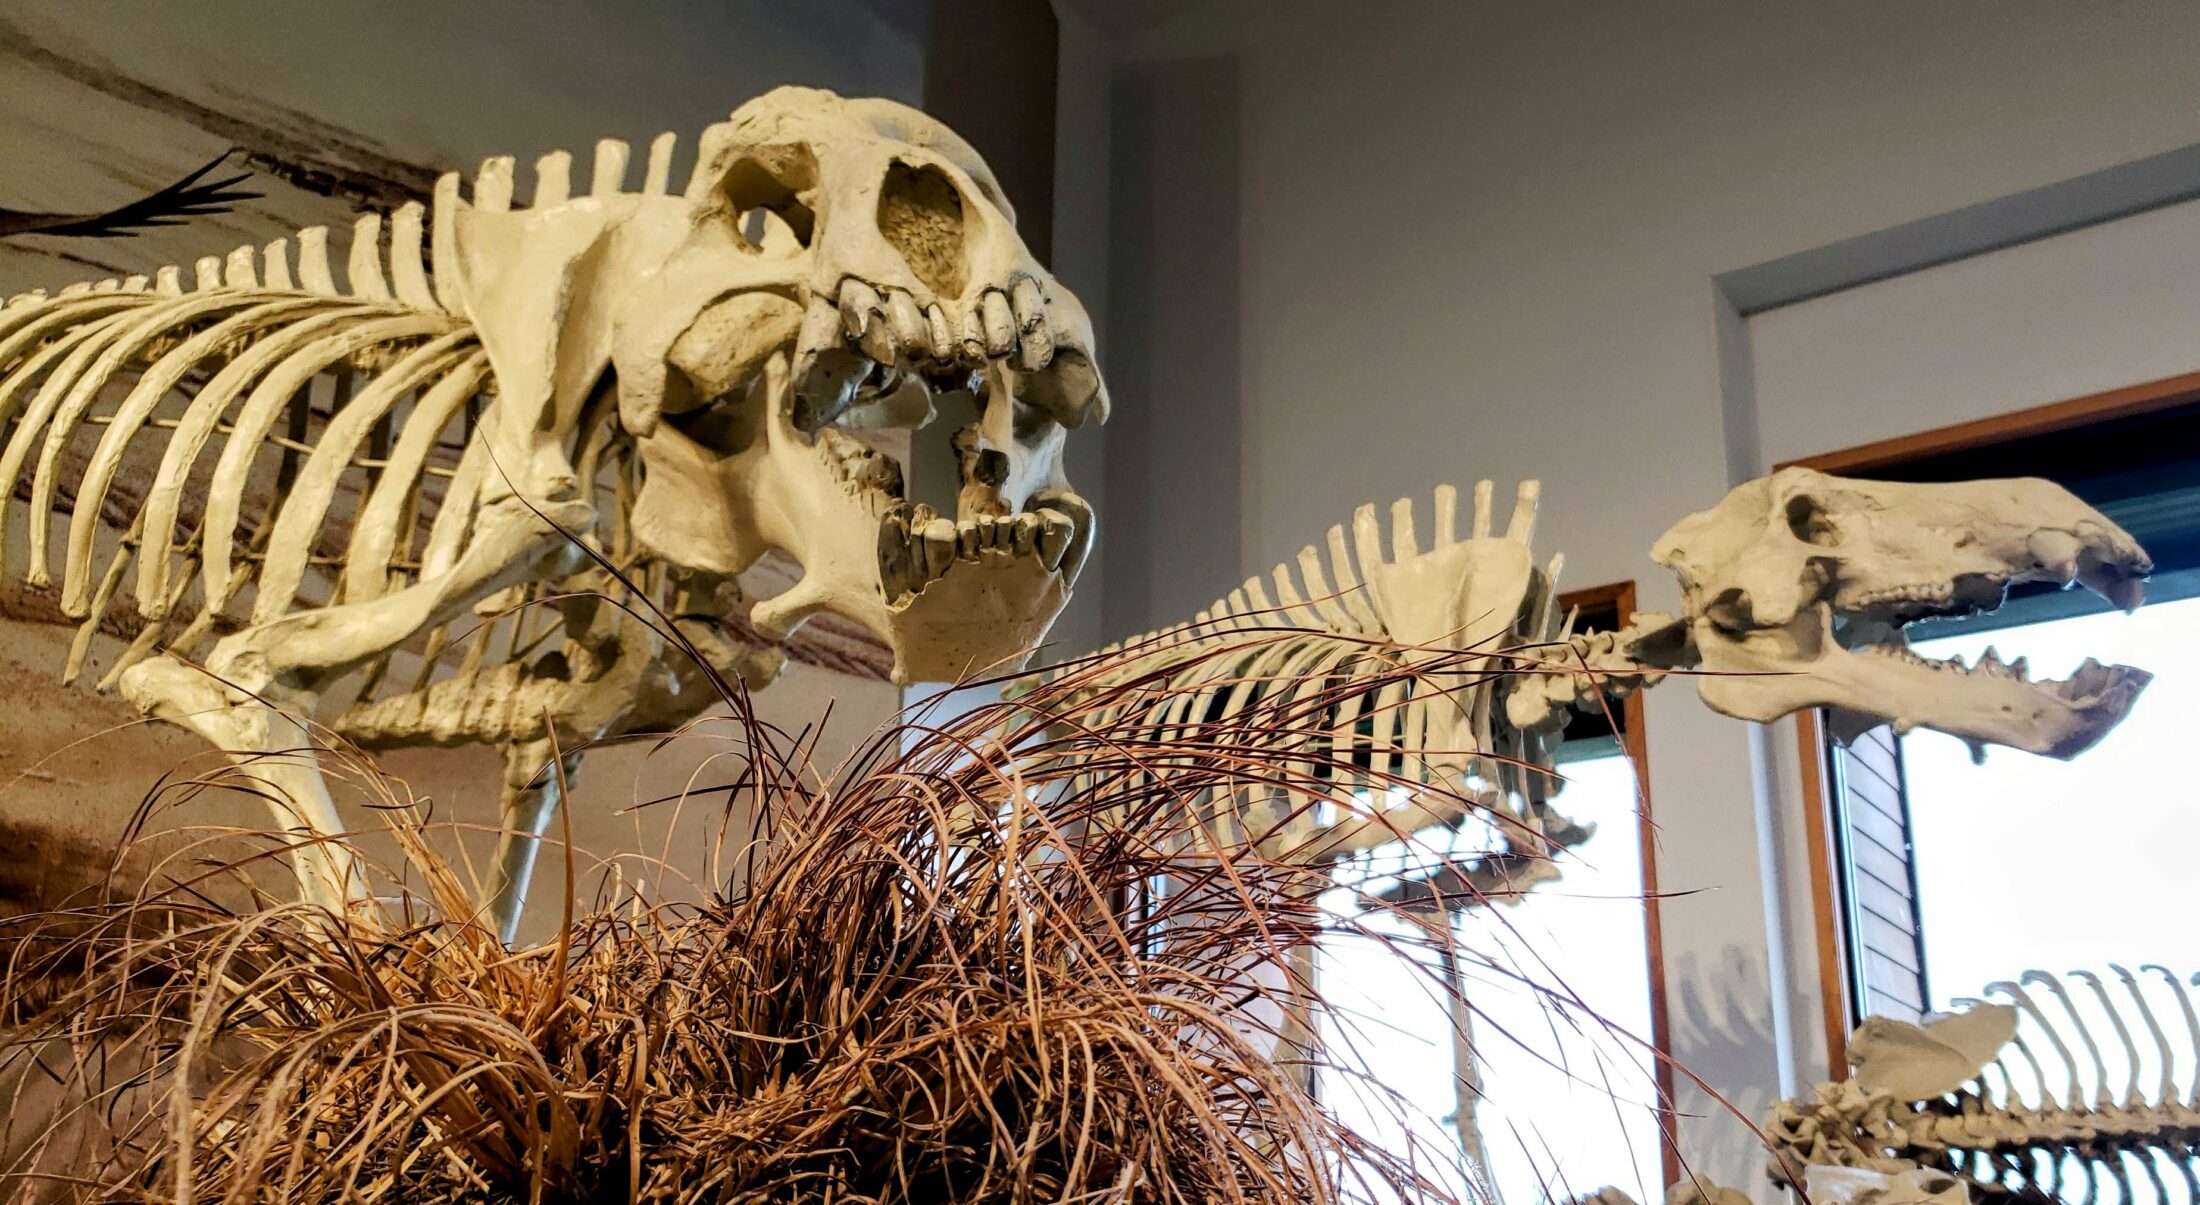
<point>921,213</point>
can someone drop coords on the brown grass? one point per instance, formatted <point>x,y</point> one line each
<point>995,963</point>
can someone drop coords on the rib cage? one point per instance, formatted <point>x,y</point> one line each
<point>2096,1098</point>
<point>329,430</point>
<point>1259,657</point>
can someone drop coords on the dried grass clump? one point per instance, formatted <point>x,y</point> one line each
<point>943,972</point>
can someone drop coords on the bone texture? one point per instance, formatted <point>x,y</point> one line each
<point>2062,1086</point>
<point>388,462</point>
<point>1370,599</point>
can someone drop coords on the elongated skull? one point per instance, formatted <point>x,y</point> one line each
<point>1797,586</point>
<point>850,280</point>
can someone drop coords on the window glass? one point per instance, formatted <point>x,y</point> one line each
<point>2027,862</point>
<point>1560,985</point>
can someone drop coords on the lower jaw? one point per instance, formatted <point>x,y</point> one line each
<point>980,618</point>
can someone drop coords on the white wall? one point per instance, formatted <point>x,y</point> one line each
<point>2091,310</point>
<point>1479,240</point>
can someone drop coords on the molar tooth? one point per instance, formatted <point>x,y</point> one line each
<point>902,314</point>
<point>942,334</point>
<point>1031,318</point>
<point>972,348</point>
<point>893,556</point>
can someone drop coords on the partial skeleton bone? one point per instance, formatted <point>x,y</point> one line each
<point>425,444</point>
<point>1941,1097</point>
<point>1778,582</point>
<point>1768,579</point>
<point>1466,604</point>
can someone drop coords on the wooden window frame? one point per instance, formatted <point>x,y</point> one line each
<point>1835,975</point>
<point>1634,742</point>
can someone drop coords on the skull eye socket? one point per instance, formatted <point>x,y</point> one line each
<point>754,191</point>
<point>1810,523</point>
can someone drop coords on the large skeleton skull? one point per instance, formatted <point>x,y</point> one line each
<point>1797,586</point>
<point>849,273</point>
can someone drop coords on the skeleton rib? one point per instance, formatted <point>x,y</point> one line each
<point>257,417</point>
<point>305,511</point>
<point>202,420</point>
<point>25,327</point>
<point>135,413</point>
<point>50,368</point>
<point>92,376</point>
<point>374,536</point>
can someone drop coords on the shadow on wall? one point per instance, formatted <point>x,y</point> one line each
<point>1175,445</point>
<point>1722,1027</point>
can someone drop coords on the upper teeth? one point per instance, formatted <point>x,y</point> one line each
<point>1920,593</point>
<point>892,328</point>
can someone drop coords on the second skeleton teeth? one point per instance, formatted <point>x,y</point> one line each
<point>919,549</point>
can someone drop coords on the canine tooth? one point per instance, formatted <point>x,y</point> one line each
<point>2057,552</point>
<point>939,546</point>
<point>1000,323</point>
<point>1037,342</point>
<point>859,307</point>
<point>1055,529</point>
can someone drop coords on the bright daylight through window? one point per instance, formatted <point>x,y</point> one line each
<point>1564,1082</point>
<point>2017,857</point>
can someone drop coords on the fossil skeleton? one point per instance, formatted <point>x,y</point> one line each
<point>715,358</point>
<point>1795,592</point>
<point>2016,1095</point>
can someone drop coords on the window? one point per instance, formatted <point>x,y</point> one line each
<point>1549,1097</point>
<point>2020,861</point>
<point>1942,876</point>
